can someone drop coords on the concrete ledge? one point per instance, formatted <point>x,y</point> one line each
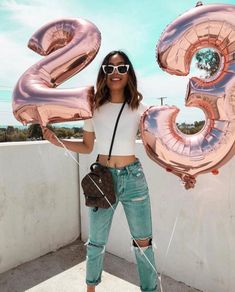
<point>39,201</point>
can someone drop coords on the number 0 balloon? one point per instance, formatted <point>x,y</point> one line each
<point>190,155</point>
<point>69,46</point>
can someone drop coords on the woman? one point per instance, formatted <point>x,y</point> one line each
<point>116,83</point>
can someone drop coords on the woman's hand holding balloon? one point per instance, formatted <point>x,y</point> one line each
<point>50,136</point>
<point>188,181</point>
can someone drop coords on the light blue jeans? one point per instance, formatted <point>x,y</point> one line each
<point>132,191</point>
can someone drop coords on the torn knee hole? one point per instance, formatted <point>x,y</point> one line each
<point>94,244</point>
<point>142,242</point>
<point>94,249</point>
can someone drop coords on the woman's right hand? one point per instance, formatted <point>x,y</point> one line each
<point>50,136</point>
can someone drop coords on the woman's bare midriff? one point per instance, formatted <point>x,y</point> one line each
<point>116,161</point>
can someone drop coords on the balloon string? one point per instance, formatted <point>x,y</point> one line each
<point>141,250</point>
<point>172,234</point>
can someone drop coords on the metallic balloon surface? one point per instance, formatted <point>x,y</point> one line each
<point>189,155</point>
<point>69,46</point>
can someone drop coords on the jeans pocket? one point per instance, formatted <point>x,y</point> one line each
<point>138,172</point>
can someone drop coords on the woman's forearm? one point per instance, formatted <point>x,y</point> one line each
<point>79,147</point>
<point>84,146</point>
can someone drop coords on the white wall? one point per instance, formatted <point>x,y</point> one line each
<point>39,212</point>
<point>202,250</point>
<point>39,201</point>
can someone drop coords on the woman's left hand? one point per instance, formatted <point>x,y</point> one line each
<point>188,181</point>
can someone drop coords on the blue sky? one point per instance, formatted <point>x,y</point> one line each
<point>133,26</point>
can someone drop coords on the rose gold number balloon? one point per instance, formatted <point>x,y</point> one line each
<point>189,155</point>
<point>71,44</point>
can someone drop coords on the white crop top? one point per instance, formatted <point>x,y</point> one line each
<point>103,122</point>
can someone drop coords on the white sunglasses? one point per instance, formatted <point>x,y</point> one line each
<point>121,69</point>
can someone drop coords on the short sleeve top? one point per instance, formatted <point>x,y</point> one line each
<point>103,122</point>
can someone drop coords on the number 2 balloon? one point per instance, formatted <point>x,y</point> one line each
<point>189,155</point>
<point>69,46</point>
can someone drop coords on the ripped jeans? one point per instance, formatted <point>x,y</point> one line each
<point>132,191</point>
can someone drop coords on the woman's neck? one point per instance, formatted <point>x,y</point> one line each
<point>117,96</point>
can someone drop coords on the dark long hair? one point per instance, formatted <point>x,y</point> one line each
<point>102,95</point>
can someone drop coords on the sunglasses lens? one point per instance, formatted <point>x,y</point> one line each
<point>108,69</point>
<point>122,69</point>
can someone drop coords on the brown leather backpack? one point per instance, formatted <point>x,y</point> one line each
<point>98,187</point>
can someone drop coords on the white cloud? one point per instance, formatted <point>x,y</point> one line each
<point>6,115</point>
<point>163,84</point>
<point>14,58</point>
<point>174,88</point>
<point>34,14</point>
